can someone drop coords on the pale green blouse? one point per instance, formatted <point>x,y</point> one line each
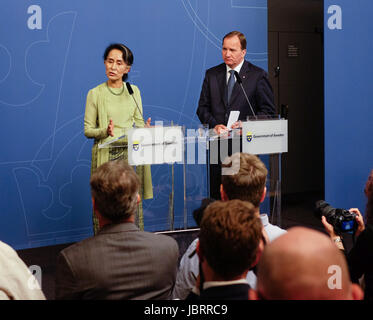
<point>101,106</point>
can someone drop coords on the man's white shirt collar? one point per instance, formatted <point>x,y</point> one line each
<point>238,69</point>
<point>211,284</point>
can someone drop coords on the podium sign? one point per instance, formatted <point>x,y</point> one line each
<point>155,145</point>
<point>265,136</point>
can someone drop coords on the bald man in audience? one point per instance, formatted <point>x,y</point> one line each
<point>304,265</point>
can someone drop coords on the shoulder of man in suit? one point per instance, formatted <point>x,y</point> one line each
<point>254,68</point>
<point>217,68</point>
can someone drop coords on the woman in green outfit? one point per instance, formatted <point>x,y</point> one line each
<point>110,110</point>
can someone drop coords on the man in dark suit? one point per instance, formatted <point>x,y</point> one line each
<point>221,94</point>
<point>120,262</point>
<point>230,243</point>
<point>216,101</point>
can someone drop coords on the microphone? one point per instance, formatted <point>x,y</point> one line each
<point>239,80</point>
<point>130,91</point>
<point>129,88</point>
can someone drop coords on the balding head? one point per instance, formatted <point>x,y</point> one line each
<point>304,264</point>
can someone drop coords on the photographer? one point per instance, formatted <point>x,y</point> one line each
<point>360,257</point>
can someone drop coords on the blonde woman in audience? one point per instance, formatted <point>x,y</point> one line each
<point>16,280</point>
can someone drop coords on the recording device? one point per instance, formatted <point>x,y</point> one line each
<point>239,80</point>
<point>342,220</point>
<point>130,91</point>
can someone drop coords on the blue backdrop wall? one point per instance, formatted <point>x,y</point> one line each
<point>348,101</point>
<point>51,55</point>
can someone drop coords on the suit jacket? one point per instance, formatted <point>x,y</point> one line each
<point>120,262</point>
<point>213,108</point>
<point>231,292</point>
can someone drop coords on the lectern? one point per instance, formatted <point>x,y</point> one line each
<point>180,158</point>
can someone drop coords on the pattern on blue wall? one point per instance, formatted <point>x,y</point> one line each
<point>51,55</point>
<point>348,101</point>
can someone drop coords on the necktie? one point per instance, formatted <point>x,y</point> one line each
<point>230,84</point>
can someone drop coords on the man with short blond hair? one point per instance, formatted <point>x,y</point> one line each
<point>245,178</point>
<point>246,181</point>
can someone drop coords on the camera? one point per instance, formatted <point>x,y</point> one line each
<point>342,220</point>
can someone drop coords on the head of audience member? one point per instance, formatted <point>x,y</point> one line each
<point>304,264</point>
<point>229,240</point>
<point>368,190</point>
<point>115,192</point>
<point>234,48</point>
<point>243,177</point>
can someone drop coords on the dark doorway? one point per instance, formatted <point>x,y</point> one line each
<point>296,70</point>
<point>295,66</point>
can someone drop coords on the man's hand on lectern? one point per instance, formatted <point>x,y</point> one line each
<point>220,128</point>
<point>236,125</point>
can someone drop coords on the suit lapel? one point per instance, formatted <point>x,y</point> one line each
<point>244,71</point>
<point>222,83</point>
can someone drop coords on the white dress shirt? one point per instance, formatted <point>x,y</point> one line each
<point>238,68</point>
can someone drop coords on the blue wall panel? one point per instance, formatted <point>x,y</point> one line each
<point>46,73</point>
<point>348,101</point>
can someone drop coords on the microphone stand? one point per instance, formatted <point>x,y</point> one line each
<point>239,80</point>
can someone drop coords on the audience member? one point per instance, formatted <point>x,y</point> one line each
<point>304,265</point>
<point>230,243</point>
<point>120,262</point>
<point>244,179</point>
<point>16,280</point>
<point>360,257</point>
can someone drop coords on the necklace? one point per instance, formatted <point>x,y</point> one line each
<point>116,94</point>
